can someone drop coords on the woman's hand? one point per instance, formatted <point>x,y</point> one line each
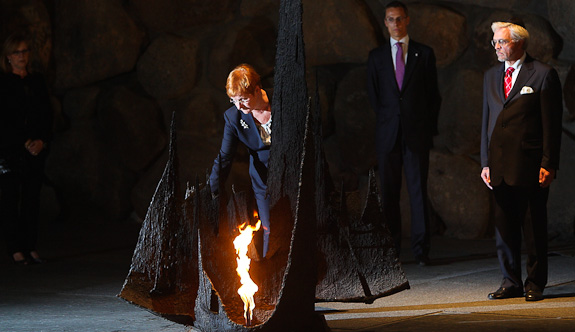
<point>485,176</point>
<point>34,146</point>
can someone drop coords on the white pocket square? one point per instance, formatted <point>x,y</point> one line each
<point>526,90</point>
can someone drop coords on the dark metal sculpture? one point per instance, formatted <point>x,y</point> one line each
<point>358,261</point>
<point>164,273</point>
<point>322,247</point>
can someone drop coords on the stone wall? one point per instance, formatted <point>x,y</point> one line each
<point>118,70</point>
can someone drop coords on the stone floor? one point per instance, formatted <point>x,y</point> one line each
<point>87,263</point>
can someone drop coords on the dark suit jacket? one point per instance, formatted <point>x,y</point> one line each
<point>522,133</point>
<point>25,113</point>
<point>415,106</point>
<point>240,127</point>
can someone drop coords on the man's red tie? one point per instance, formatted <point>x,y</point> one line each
<point>508,81</point>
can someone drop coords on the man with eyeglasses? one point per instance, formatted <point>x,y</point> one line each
<point>403,91</point>
<point>520,144</point>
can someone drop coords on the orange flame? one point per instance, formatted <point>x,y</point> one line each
<point>249,287</point>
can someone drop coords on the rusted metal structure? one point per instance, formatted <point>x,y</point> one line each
<point>322,246</point>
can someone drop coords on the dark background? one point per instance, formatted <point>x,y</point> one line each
<point>117,71</point>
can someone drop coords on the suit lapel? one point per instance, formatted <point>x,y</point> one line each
<point>501,82</point>
<point>387,64</point>
<point>413,53</point>
<point>524,75</point>
<point>250,130</point>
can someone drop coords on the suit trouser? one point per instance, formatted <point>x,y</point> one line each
<point>19,209</point>
<point>416,167</point>
<point>264,215</point>
<point>511,206</point>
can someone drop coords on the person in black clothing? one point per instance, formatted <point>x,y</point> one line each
<point>25,130</point>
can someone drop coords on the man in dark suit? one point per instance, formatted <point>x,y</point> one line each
<point>520,144</point>
<point>403,91</point>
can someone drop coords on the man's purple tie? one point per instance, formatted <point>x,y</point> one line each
<point>399,65</point>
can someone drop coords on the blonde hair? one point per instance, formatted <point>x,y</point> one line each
<point>242,80</point>
<point>517,32</point>
<point>10,45</point>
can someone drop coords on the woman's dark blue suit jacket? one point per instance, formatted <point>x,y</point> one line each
<point>240,127</point>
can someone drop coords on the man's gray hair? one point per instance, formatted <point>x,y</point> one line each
<point>517,32</point>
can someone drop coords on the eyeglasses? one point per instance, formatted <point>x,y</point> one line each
<point>239,100</point>
<point>398,19</point>
<point>20,52</point>
<point>501,42</point>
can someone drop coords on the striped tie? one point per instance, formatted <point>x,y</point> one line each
<point>508,81</point>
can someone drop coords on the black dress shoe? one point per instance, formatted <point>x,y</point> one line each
<point>22,258</point>
<point>533,295</point>
<point>20,262</point>
<point>505,293</point>
<point>34,260</point>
